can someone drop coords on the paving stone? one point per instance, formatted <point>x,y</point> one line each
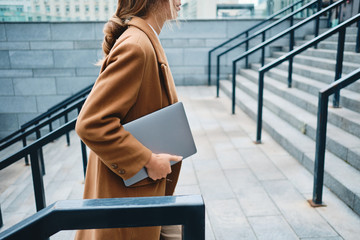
<point>229,221</point>
<point>305,221</point>
<point>253,199</point>
<point>340,216</point>
<point>272,227</point>
<point>262,167</point>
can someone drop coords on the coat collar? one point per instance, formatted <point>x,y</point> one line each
<point>143,26</point>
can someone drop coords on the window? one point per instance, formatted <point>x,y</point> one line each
<point>106,8</point>
<point>57,8</point>
<point>67,8</point>
<point>37,8</point>
<point>47,7</point>
<point>96,8</point>
<point>87,8</point>
<point>77,8</point>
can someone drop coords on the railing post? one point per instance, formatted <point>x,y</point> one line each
<point>233,87</point>
<point>329,24</point>
<point>84,156</point>
<point>317,22</point>
<point>209,69</point>
<point>291,47</point>
<point>1,220</point>
<point>24,145</point>
<point>358,36</point>
<point>41,155</point>
<point>37,181</point>
<point>339,64</point>
<point>246,49</point>
<point>67,134</point>
<point>320,149</point>
<point>217,75</point>
<point>260,107</point>
<point>263,50</point>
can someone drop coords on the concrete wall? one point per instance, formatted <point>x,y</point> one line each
<point>43,63</point>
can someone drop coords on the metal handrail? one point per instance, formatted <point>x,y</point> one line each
<point>263,33</point>
<point>49,112</point>
<point>33,129</point>
<point>32,150</point>
<point>340,28</point>
<point>321,131</point>
<point>271,40</point>
<point>246,33</point>
<point>188,211</point>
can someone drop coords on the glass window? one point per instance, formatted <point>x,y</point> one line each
<point>77,8</point>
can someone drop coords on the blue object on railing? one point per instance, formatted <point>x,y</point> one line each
<point>188,211</point>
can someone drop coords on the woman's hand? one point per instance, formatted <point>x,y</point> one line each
<point>159,166</point>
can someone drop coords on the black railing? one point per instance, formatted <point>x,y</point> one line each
<point>32,150</point>
<point>340,51</point>
<point>246,33</point>
<point>188,211</point>
<point>321,131</point>
<point>63,104</point>
<point>262,33</point>
<point>271,40</point>
<point>19,134</point>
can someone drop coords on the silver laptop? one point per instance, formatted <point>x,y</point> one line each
<point>164,131</point>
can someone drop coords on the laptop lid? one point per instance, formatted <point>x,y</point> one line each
<point>164,131</point>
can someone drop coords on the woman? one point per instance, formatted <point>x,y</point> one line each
<point>134,81</point>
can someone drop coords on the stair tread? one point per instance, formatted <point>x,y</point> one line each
<point>304,116</point>
<point>320,85</point>
<point>329,61</point>
<point>307,97</point>
<point>334,166</point>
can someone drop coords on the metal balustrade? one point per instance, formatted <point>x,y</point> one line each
<point>188,211</point>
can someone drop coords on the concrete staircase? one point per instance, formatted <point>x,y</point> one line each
<point>290,114</point>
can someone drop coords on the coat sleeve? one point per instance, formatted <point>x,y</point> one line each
<point>114,94</point>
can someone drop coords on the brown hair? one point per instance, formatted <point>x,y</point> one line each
<point>126,9</point>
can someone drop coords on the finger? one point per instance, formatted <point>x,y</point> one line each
<point>176,158</point>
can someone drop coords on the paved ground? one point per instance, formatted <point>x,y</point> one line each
<point>251,191</point>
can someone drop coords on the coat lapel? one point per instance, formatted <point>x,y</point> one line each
<point>161,57</point>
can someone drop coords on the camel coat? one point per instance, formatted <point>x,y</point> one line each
<point>134,81</point>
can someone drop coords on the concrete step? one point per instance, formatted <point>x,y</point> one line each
<point>329,54</point>
<point>349,30</point>
<point>340,177</point>
<point>322,63</point>
<point>309,70</point>
<point>349,46</point>
<point>334,38</point>
<point>348,99</point>
<point>341,117</point>
<point>339,142</point>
